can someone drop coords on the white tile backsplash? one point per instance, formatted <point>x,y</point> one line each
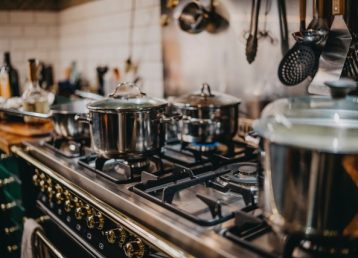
<point>95,33</point>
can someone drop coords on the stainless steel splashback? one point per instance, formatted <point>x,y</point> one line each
<point>219,59</point>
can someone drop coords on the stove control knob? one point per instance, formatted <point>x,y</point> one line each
<point>82,210</point>
<point>50,191</point>
<point>61,195</point>
<point>95,221</point>
<point>118,234</point>
<point>134,249</point>
<point>71,203</point>
<point>35,179</point>
<point>41,180</point>
<point>45,183</point>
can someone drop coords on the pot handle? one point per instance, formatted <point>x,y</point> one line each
<point>126,90</point>
<point>340,88</point>
<point>22,113</point>
<point>83,118</point>
<point>168,118</point>
<point>205,90</point>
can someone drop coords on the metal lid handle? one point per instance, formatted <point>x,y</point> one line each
<point>340,88</point>
<point>205,90</point>
<point>126,90</point>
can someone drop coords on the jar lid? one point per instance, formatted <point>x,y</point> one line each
<point>205,98</point>
<point>127,97</point>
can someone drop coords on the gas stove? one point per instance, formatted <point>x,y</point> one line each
<point>181,202</point>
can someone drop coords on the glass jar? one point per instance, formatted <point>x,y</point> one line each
<point>35,99</point>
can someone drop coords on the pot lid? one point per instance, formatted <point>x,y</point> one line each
<point>128,97</point>
<point>206,98</point>
<point>75,107</point>
<point>315,122</point>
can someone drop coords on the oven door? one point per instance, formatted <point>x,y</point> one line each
<point>53,242</point>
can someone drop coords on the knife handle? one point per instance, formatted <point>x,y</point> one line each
<point>337,7</point>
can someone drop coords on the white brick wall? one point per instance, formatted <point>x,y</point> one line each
<point>27,35</point>
<point>93,34</point>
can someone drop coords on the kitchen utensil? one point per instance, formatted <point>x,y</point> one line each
<point>126,124</point>
<point>307,188</point>
<point>63,117</point>
<point>129,65</point>
<point>303,8</point>
<point>251,44</point>
<point>283,26</point>
<point>297,65</point>
<point>334,53</point>
<point>300,61</point>
<point>320,23</point>
<point>207,116</point>
<point>265,33</point>
<point>193,17</point>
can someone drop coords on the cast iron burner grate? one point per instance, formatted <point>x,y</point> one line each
<point>196,196</point>
<point>69,148</point>
<point>250,231</point>
<point>120,170</point>
<point>219,153</point>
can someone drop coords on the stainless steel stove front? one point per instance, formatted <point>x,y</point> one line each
<point>113,207</point>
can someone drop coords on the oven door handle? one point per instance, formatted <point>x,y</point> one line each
<point>52,248</point>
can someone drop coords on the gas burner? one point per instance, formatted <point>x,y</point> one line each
<point>202,147</point>
<point>120,170</point>
<point>218,153</point>
<point>69,148</point>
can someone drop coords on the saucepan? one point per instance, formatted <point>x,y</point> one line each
<point>63,116</point>
<point>309,185</point>
<point>127,124</point>
<point>207,116</point>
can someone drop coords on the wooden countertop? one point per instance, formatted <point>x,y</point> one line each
<point>15,133</point>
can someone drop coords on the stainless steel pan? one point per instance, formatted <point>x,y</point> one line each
<point>207,116</point>
<point>63,117</point>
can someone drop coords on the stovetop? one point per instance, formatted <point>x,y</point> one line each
<point>202,202</point>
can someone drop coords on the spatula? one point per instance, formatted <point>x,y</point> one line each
<point>334,53</point>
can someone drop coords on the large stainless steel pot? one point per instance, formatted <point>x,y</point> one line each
<point>127,124</point>
<point>207,116</point>
<point>310,161</point>
<point>63,116</point>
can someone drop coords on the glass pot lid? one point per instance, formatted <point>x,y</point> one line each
<point>205,98</point>
<point>315,122</point>
<point>127,97</point>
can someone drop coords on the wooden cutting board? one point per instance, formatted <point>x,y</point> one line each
<point>15,133</point>
<point>28,130</point>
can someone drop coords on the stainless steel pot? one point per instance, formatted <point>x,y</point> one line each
<point>310,161</point>
<point>207,116</point>
<point>63,116</point>
<point>127,124</point>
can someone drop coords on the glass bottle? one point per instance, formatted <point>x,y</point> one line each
<point>35,99</point>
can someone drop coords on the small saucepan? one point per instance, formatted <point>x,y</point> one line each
<point>207,116</point>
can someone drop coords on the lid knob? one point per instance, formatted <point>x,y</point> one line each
<point>205,90</point>
<point>340,88</point>
<point>126,90</point>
